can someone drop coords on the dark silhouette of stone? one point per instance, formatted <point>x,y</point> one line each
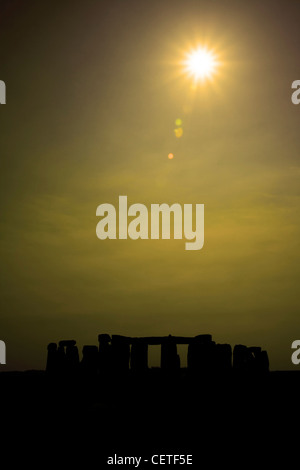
<point>120,353</point>
<point>52,358</point>
<point>72,358</point>
<point>260,361</point>
<point>158,340</point>
<point>241,357</point>
<point>64,359</point>
<point>251,360</point>
<point>177,364</point>
<point>203,338</point>
<point>105,353</point>
<point>114,355</point>
<point>89,362</point>
<point>61,359</point>
<point>139,355</point>
<point>67,342</point>
<point>202,353</point>
<point>256,350</point>
<point>263,362</point>
<point>169,356</point>
<point>223,357</point>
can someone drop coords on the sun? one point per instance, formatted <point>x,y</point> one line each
<point>200,64</point>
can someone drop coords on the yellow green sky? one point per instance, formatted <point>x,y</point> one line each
<point>93,92</point>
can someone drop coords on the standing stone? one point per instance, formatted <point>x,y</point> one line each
<point>243,358</point>
<point>169,356</point>
<point>139,355</point>
<point>105,353</point>
<point>263,362</point>
<point>89,362</point>
<point>67,356</point>
<point>120,353</point>
<point>61,359</point>
<point>224,357</point>
<point>72,358</point>
<point>202,354</point>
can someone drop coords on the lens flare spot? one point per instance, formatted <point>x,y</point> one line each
<point>178,132</point>
<point>170,156</point>
<point>178,122</point>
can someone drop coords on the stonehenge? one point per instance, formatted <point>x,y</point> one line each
<point>118,354</point>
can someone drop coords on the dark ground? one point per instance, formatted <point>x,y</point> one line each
<point>230,420</point>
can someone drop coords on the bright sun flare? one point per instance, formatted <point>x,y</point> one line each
<point>200,64</point>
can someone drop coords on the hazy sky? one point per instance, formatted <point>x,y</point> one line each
<point>93,92</point>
